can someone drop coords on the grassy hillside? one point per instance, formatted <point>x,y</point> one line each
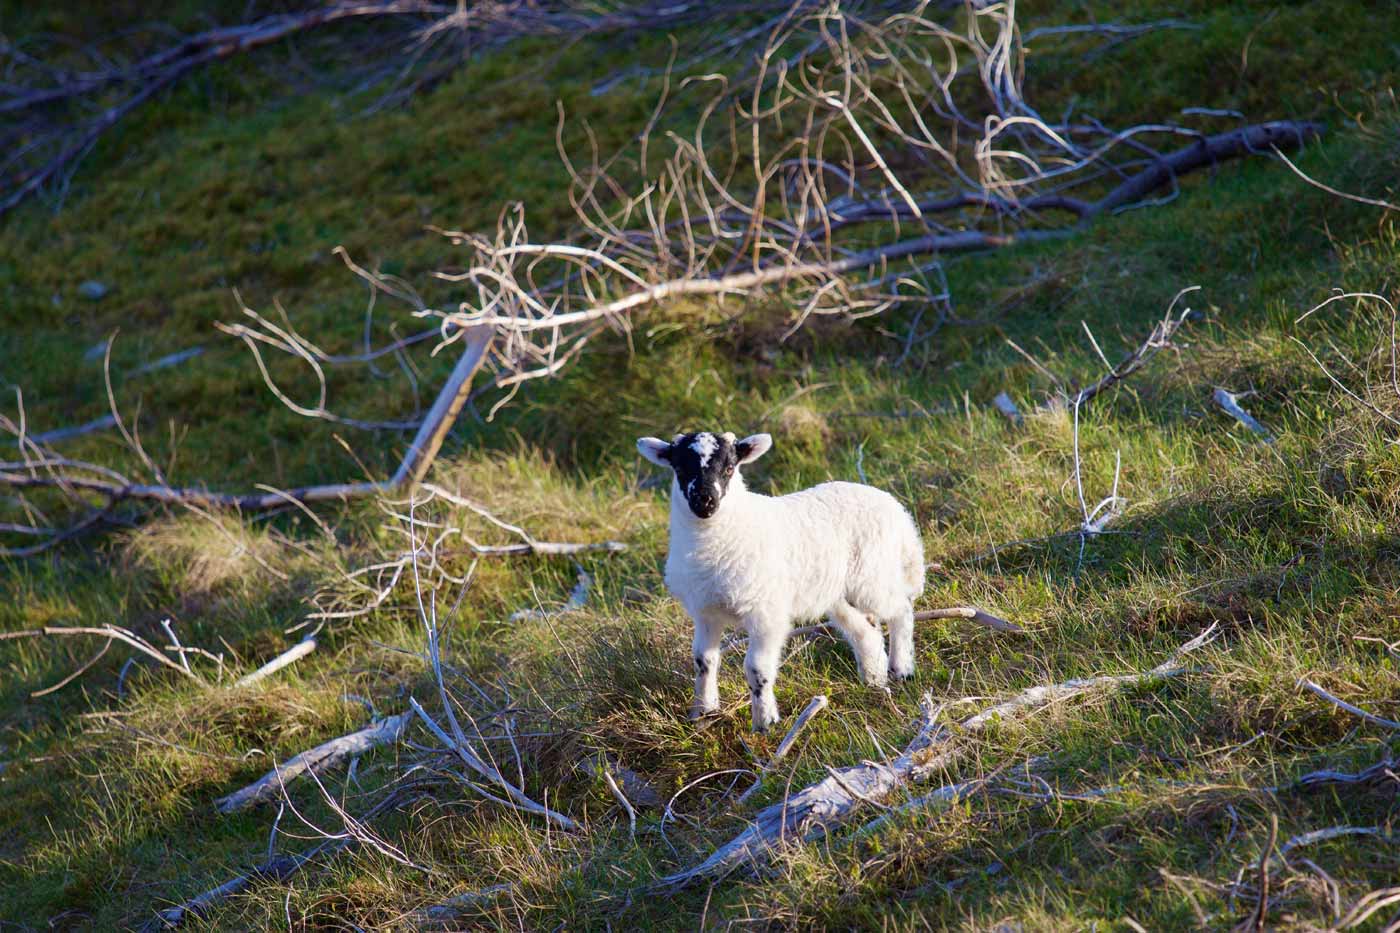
<point>1147,808</point>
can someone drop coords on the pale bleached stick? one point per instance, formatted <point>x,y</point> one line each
<point>1230,402</point>
<point>622,799</point>
<point>1354,710</point>
<point>972,614</point>
<point>111,631</point>
<point>106,422</point>
<point>321,758</point>
<point>292,655</point>
<point>969,613</point>
<point>814,706</point>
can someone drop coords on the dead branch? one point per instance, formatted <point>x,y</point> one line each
<point>622,799</point>
<point>1160,338</point>
<point>1373,202</point>
<point>813,707</point>
<point>287,658</point>
<point>945,796</point>
<point>323,757</point>
<point>1343,704</point>
<point>1368,904</point>
<point>275,870</point>
<point>157,72</point>
<point>815,809</point>
<point>126,636</point>
<point>1230,403</point>
<point>973,615</point>
<point>638,789</point>
<point>1261,911</point>
<point>453,908</point>
<point>1381,774</point>
<point>40,468</point>
<point>58,435</point>
<point>457,745</point>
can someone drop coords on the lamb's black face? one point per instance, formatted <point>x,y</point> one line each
<point>704,465</point>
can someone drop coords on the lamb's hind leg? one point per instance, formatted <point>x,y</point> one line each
<point>901,628</point>
<point>866,642</point>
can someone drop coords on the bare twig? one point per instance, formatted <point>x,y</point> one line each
<point>41,472</point>
<point>813,707</point>
<point>1160,338</point>
<point>1261,910</point>
<point>1374,202</point>
<point>274,870</point>
<point>1343,704</point>
<point>622,799</point>
<point>124,635</point>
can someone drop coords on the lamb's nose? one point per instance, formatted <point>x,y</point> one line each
<point>704,505</point>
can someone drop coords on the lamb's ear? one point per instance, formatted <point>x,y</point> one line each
<point>654,449</point>
<point>753,447</point>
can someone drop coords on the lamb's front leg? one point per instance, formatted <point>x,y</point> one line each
<point>707,637</point>
<point>766,638</point>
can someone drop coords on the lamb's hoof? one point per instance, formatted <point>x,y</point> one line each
<point>899,675</point>
<point>877,681</point>
<point>765,721</point>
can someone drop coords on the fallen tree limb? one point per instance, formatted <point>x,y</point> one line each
<point>274,870</point>
<point>78,477</point>
<point>321,758</point>
<point>163,69</point>
<point>1380,774</point>
<point>57,435</point>
<point>815,809</point>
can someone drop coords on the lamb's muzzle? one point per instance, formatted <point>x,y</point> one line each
<point>739,559</point>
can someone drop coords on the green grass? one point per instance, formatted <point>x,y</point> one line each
<point>106,797</point>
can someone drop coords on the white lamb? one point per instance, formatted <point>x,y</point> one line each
<point>740,559</point>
